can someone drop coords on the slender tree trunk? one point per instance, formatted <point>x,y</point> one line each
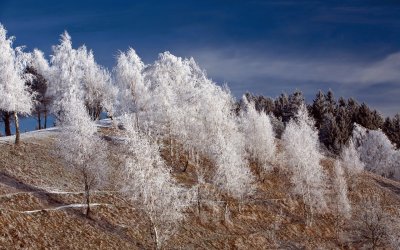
<point>39,120</point>
<point>17,134</point>
<point>45,119</point>
<point>98,112</point>
<point>154,231</point>
<point>198,199</point>
<point>186,165</point>
<point>226,213</point>
<point>156,235</point>
<point>87,194</point>
<point>7,123</point>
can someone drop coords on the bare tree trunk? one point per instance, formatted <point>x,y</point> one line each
<point>186,165</point>
<point>7,123</point>
<point>98,112</point>
<point>17,134</point>
<point>198,199</point>
<point>226,213</point>
<point>45,118</point>
<point>87,196</point>
<point>154,233</point>
<point>39,120</point>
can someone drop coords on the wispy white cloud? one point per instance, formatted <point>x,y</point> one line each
<point>375,81</point>
<point>242,65</point>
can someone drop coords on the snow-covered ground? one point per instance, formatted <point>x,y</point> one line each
<point>49,132</point>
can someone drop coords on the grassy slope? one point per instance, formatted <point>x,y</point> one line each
<point>271,218</point>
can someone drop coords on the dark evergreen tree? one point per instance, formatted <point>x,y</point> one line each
<point>330,102</point>
<point>391,127</point>
<point>295,100</point>
<point>352,109</point>
<point>265,104</point>
<point>368,118</point>
<point>377,120</point>
<point>261,103</point>
<point>344,124</point>
<point>341,102</point>
<point>318,109</point>
<point>329,133</point>
<point>281,106</point>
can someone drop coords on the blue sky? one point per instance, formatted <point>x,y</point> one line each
<point>265,47</point>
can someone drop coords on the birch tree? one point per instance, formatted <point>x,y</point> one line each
<point>15,96</point>
<point>172,98</point>
<point>75,75</point>
<point>40,69</point>
<point>65,77</point>
<point>377,152</point>
<point>83,151</point>
<point>185,100</point>
<point>300,143</point>
<point>147,182</point>
<point>99,92</point>
<point>351,159</point>
<point>340,186</point>
<point>129,78</point>
<point>260,138</point>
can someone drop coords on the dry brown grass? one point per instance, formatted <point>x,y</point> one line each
<point>271,219</point>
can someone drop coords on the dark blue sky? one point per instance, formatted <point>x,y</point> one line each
<point>264,47</point>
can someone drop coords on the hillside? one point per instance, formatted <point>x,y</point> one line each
<point>41,207</point>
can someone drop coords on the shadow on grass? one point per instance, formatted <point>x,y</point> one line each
<point>51,201</point>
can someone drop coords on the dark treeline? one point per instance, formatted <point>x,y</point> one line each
<point>334,118</point>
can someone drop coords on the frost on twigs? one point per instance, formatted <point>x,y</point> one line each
<point>377,227</point>
<point>82,149</point>
<point>377,152</point>
<point>343,205</point>
<point>300,143</point>
<point>175,101</point>
<point>128,74</point>
<point>147,182</point>
<point>351,159</point>
<point>15,96</point>
<point>259,136</point>
<point>75,74</point>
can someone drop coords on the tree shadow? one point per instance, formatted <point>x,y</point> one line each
<point>52,201</point>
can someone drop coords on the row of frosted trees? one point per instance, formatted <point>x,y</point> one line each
<point>172,106</point>
<point>334,118</point>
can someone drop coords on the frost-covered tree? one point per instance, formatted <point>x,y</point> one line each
<point>147,182</point>
<point>377,152</point>
<point>259,134</point>
<point>179,104</point>
<point>130,81</point>
<point>15,96</point>
<point>65,76</point>
<point>351,160</point>
<point>75,75</point>
<point>83,151</point>
<point>39,68</point>
<point>99,92</point>
<point>340,185</point>
<point>373,223</point>
<point>300,142</point>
